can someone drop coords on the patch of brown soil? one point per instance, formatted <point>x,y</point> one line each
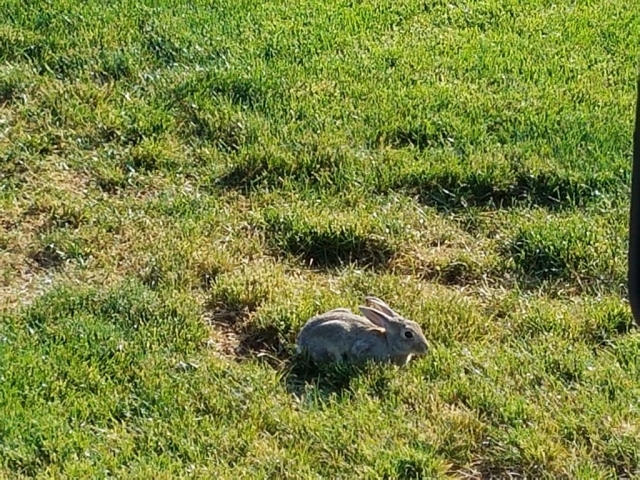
<point>232,337</point>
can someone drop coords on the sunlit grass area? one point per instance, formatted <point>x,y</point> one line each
<point>182,185</point>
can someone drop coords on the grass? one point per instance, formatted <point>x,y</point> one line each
<point>183,185</point>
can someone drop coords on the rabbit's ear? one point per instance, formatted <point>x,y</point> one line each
<point>382,306</point>
<point>377,317</point>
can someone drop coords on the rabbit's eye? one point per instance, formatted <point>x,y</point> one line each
<point>408,334</point>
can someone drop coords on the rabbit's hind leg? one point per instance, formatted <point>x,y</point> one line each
<point>326,355</point>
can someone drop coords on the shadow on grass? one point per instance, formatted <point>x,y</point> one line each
<point>447,190</point>
<point>313,166</point>
<point>451,191</point>
<point>329,245</point>
<point>299,374</point>
<point>48,257</point>
<point>327,249</point>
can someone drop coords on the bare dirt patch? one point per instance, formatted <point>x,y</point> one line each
<point>233,337</point>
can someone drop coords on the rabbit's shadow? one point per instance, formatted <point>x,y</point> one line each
<point>304,378</point>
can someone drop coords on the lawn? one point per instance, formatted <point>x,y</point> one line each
<point>184,184</point>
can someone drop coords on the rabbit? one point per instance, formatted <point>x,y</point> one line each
<point>381,335</point>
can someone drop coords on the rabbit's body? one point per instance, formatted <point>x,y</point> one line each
<point>380,335</point>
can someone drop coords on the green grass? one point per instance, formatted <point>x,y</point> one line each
<point>182,185</point>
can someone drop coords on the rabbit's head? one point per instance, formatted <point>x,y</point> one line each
<point>403,335</point>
